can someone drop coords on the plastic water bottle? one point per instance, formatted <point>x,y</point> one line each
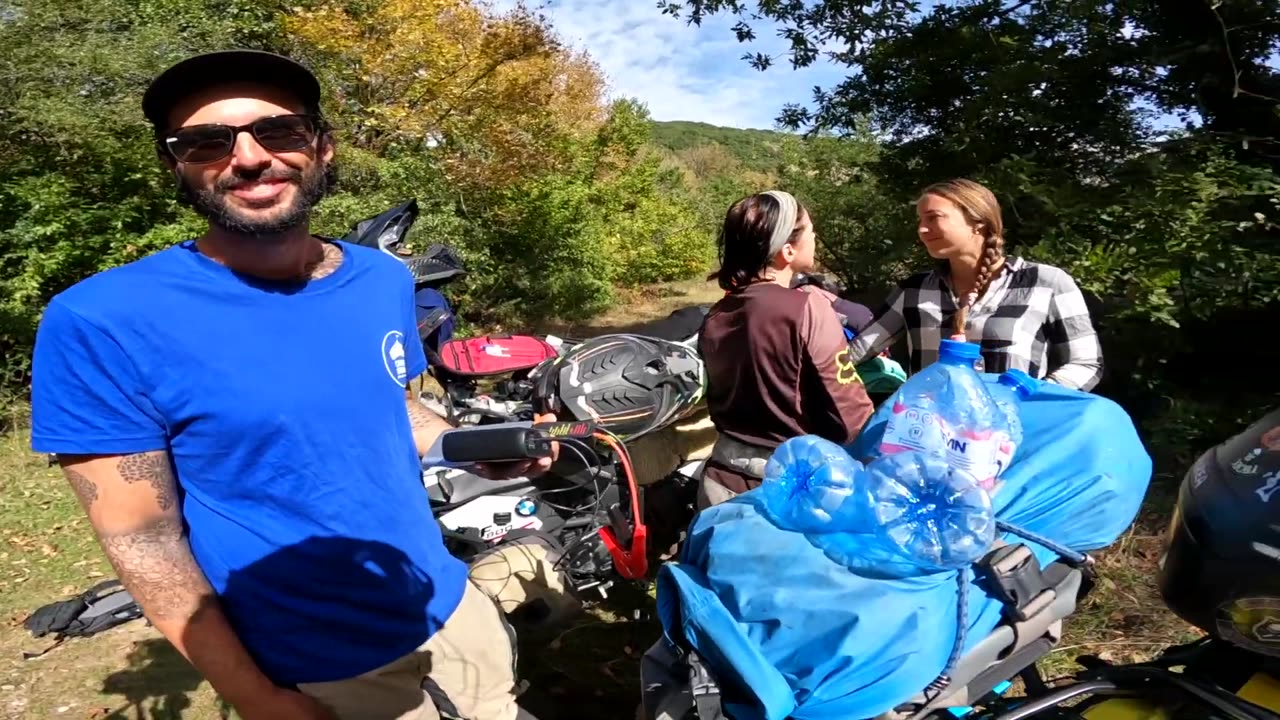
<point>1011,389</point>
<point>812,485</point>
<point>929,511</point>
<point>946,409</point>
<point>908,506</point>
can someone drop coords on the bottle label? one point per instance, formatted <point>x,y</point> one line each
<point>911,428</point>
<point>981,455</point>
<point>1004,455</point>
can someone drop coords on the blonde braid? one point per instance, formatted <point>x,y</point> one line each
<point>992,255</point>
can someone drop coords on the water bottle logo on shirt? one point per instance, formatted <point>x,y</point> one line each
<point>393,357</point>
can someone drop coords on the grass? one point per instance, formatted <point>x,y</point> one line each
<point>588,669</point>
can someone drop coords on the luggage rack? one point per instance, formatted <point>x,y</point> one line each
<point>1036,603</point>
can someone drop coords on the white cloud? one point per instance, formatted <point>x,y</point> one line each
<point>681,71</point>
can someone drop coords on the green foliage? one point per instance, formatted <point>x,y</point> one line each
<point>865,233</point>
<point>1180,241</point>
<point>756,150</point>
<point>708,168</point>
<point>80,186</point>
<point>568,239</point>
<point>1051,106</point>
<point>551,196</point>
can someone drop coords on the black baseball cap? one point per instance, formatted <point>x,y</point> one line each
<point>226,66</point>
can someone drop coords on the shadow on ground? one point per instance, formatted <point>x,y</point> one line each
<point>157,684</point>
<point>590,668</point>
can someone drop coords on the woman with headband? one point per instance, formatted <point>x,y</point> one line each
<point>777,362</point>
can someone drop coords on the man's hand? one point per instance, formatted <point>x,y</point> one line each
<point>524,468</point>
<point>427,427</point>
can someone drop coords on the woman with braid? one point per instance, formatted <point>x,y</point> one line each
<point>1025,315</point>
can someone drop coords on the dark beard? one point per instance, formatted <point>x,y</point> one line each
<point>313,185</point>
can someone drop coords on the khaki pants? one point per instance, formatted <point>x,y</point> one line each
<point>525,573</point>
<point>711,493</point>
<point>465,671</point>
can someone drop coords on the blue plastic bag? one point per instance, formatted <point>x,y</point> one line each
<point>796,634</point>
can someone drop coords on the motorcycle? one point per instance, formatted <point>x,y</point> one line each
<point>543,546</point>
<point>633,383</point>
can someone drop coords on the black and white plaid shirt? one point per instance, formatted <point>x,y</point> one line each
<point>1033,317</point>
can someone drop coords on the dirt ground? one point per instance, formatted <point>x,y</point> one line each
<point>587,669</point>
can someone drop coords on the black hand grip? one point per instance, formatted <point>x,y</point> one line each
<point>494,443</point>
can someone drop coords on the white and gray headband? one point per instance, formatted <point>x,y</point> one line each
<point>786,220</point>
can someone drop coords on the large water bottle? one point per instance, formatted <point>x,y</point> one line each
<point>930,512</point>
<point>812,485</point>
<point>1010,390</point>
<point>946,409</point>
<point>908,506</point>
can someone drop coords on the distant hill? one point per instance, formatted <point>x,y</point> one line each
<point>754,149</point>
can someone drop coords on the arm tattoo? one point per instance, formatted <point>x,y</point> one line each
<point>84,488</point>
<point>421,417</point>
<point>155,563</point>
<point>154,468</point>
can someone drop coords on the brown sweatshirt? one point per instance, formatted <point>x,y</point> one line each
<point>778,366</point>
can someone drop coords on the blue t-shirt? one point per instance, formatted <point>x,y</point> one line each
<point>283,408</point>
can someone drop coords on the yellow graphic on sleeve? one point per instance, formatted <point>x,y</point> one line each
<point>846,370</point>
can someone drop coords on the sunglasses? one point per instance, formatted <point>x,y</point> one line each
<point>202,144</point>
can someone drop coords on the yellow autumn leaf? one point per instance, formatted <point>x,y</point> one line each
<point>496,95</point>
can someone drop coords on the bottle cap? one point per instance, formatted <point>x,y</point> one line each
<point>960,352</point>
<point>1022,383</point>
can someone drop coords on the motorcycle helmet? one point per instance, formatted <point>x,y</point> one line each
<point>629,385</point>
<point>386,231</point>
<point>1221,566</point>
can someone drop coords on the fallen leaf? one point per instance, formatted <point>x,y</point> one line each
<point>95,574</point>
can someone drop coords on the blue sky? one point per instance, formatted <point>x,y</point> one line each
<point>684,72</point>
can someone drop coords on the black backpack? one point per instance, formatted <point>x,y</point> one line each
<point>99,608</point>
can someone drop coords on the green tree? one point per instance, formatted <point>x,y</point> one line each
<point>1062,108</point>
<point>80,185</point>
<point>517,160</point>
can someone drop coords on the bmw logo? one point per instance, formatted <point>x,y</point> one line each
<point>526,507</point>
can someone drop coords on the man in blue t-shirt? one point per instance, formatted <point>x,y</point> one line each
<point>233,413</point>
